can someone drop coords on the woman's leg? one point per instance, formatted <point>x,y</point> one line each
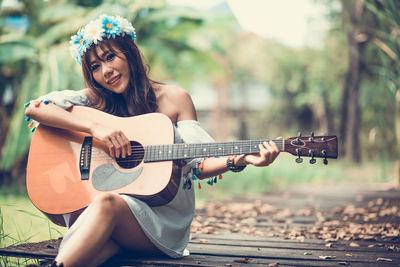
<point>107,219</point>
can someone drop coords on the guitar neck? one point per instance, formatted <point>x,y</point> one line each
<point>156,153</point>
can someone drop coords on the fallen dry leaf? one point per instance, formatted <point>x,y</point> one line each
<point>343,263</point>
<point>354,244</point>
<point>391,247</point>
<point>275,264</point>
<point>243,260</point>
<point>327,257</point>
<point>383,259</point>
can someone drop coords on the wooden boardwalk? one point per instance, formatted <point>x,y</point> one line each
<point>329,226</point>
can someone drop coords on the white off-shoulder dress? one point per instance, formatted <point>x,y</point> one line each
<point>168,226</point>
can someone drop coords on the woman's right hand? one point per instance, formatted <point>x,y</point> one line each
<point>116,141</point>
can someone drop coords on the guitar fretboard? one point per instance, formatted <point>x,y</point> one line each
<point>189,151</point>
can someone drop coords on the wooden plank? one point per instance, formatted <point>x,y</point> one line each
<point>228,249</point>
<point>210,260</point>
<point>364,246</point>
<point>292,253</point>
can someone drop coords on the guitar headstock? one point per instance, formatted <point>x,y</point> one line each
<point>312,146</point>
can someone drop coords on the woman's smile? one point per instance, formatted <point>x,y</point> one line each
<point>114,80</point>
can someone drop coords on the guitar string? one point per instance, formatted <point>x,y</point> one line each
<point>137,149</point>
<point>157,156</point>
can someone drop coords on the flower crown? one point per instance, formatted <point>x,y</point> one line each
<point>96,30</point>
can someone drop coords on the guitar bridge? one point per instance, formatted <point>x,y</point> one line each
<point>85,157</point>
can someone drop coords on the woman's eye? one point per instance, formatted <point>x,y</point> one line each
<point>110,57</point>
<point>94,67</point>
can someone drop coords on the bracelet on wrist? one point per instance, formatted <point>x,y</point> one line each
<point>230,164</point>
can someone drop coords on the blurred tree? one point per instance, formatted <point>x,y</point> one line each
<point>384,36</point>
<point>350,119</point>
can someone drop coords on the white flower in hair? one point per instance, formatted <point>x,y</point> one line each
<point>126,27</point>
<point>94,32</point>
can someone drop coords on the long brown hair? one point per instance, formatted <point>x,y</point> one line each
<point>141,97</point>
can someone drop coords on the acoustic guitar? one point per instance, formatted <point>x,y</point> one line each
<point>67,169</point>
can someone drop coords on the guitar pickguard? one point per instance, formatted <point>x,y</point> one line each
<point>107,178</point>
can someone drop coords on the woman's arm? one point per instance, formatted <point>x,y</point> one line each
<point>55,116</point>
<point>215,166</point>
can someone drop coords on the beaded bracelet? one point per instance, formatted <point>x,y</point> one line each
<point>230,164</point>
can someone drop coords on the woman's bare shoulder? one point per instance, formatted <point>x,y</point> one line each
<point>169,96</point>
<point>173,93</point>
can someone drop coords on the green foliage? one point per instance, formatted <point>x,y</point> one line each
<point>15,50</point>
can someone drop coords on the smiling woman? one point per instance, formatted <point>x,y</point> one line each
<point>118,85</point>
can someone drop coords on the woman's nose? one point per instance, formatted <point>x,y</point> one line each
<point>107,70</point>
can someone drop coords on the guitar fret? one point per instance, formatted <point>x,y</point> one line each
<point>170,152</point>
<point>162,153</point>
<point>151,151</point>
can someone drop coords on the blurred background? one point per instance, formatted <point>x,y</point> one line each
<point>255,69</point>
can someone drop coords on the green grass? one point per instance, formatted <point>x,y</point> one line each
<point>21,222</point>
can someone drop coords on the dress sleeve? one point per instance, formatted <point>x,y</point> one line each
<point>191,132</point>
<point>65,99</point>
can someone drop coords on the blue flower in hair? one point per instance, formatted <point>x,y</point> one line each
<point>110,26</point>
<point>79,41</point>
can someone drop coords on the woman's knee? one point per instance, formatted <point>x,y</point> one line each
<point>108,202</point>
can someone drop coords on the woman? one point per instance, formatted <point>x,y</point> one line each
<point>117,83</point>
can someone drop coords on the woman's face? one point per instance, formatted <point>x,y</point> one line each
<point>111,71</point>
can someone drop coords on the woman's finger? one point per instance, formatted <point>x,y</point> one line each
<point>111,148</point>
<point>121,149</point>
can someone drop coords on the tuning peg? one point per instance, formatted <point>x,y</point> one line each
<point>311,139</point>
<point>298,137</point>
<point>325,157</point>
<point>311,154</point>
<point>299,159</point>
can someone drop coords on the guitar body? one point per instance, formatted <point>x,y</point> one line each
<point>54,180</point>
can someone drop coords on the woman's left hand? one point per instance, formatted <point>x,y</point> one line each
<point>268,153</point>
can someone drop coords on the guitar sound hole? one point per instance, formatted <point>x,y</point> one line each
<point>134,159</point>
